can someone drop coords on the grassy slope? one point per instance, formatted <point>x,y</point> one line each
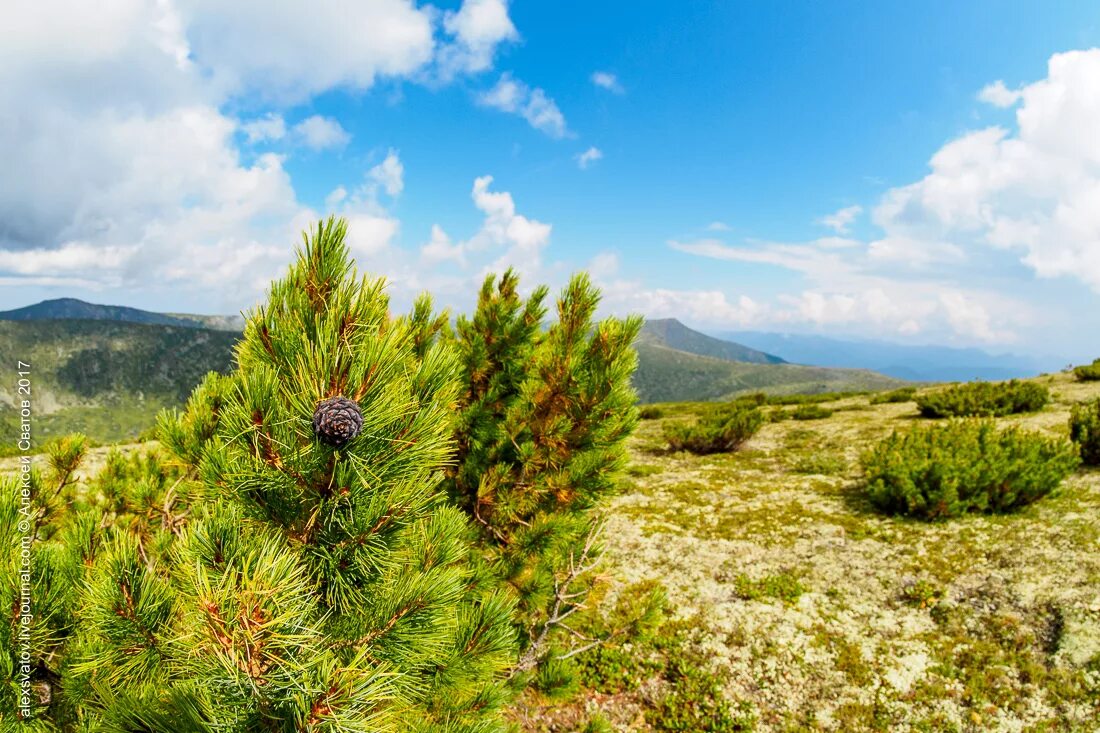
<point>821,614</point>
<point>105,378</point>
<point>672,334</point>
<point>669,375</point>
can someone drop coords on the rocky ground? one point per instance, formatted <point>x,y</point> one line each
<point>818,613</point>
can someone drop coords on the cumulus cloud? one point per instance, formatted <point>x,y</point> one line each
<point>389,174</point>
<point>121,165</point>
<point>320,133</point>
<point>999,95</point>
<point>505,238</point>
<point>264,129</point>
<point>291,50</point>
<point>477,29</point>
<point>841,221</point>
<point>607,80</point>
<point>515,97</point>
<point>1033,192</point>
<point>588,157</point>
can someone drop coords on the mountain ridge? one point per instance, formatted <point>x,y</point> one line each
<point>923,363</point>
<point>673,334</point>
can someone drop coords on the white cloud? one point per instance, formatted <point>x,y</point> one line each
<point>841,221</point>
<point>710,307</point>
<point>607,80</point>
<point>294,49</point>
<point>120,163</point>
<point>269,127</point>
<point>999,95</point>
<point>718,226</point>
<point>336,197</point>
<point>845,287</point>
<point>1034,192</point>
<point>370,234</point>
<point>588,157</point>
<point>320,133</point>
<point>968,318</point>
<point>603,265</point>
<point>389,174</point>
<point>513,96</point>
<point>522,239</point>
<point>440,248</point>
<point>478,28</point>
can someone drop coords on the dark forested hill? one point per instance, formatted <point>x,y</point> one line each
<point>104,377</point>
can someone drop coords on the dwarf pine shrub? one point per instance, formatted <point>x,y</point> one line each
<point>720,431</point>
<point>543,415</point>
<point>1088,372</point>
<point>1084,430</point>
<point>939,471</point>
<point>267,576</point>
<point>650,412</point>
<point>904,394</point>
<point>811,412</point>
<point>984,399</point>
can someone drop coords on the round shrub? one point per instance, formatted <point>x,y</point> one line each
<point>811,412</point>
<point>893,397</point>
<point>1089,372</point>
<point>964,466</point>
<point>984,399</point>
<point>720,431</point>
<point>1084,430</point>
<point>651,412</point>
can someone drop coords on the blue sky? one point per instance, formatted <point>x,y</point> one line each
<point>922,172</point>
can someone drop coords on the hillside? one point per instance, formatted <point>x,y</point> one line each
<point>104,377</point>
<point>672,334</point>
<point>669,375</point>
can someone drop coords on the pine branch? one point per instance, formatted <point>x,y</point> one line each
<point>564,605</point>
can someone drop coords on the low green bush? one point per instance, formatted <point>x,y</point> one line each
<point>905,394</point>
<point>753,399</point>
<point>1089,372</point>
<point>984,399</point>
<point>811,412</point>
<point>651,412</point>
<point>811,399</point>
<point>1084,430</point>
<point>820,463</point>
<point>721,430</point>
<point>964,466</point>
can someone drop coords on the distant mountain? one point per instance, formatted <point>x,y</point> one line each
<point>73,309</point>
<point>917,363</point>
<point>672,334</point>
<point>669,375</point>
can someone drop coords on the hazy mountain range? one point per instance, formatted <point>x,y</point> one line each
<point>917,363</point>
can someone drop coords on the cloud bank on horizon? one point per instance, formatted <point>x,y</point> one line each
<point>150,146</point>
